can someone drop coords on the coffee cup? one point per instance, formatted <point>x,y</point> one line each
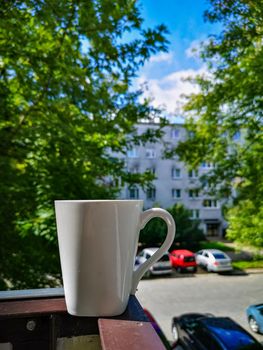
<point>98,241</point>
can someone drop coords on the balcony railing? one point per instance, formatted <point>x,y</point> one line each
<point>38,320</point>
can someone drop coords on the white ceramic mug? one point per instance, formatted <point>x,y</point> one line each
<point>97,245</point>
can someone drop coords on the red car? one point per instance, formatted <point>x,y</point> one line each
<point>183,260</point>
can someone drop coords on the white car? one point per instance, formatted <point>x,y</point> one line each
<point>161,267</point>
<point>213,260</point>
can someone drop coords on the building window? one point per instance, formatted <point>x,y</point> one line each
<point>207,165</point>
<point>151,193</point>
<point>204,182</point>
<point>176,173</point>
<point>175,133</point>
<point>134,192</point>
<point>135,169</point>
<point>176,193</point>
<point>210,203</point>
<point>151,170</point>
<point>132,153</point>
<point>193,174</point>
<point>150,153</point>
<point>194,213</point>
<point>193,193</point>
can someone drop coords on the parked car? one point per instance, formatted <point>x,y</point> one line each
<point>206,332</point>
<point>163,266</point>
<point>213,260</point>
<point>255,317</point>
<point>183,260</point>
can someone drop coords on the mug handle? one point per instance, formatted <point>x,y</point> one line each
<point>145,217</point>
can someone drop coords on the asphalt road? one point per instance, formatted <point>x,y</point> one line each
<point>222,295</point>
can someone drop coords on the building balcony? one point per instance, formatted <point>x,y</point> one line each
<point>38,320</point>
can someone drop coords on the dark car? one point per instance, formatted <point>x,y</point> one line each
<point>207,332</point>
<point>255,318</point>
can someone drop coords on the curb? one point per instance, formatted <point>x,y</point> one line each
<point>251,271</point>
<point>234,272</point>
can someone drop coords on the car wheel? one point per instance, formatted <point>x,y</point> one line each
<point>203,266</point>
<point>175,332</point>
<point>179,269</point>
<point>147,274</point>
<point>253,324</point>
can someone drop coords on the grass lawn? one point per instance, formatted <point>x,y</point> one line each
<point>252,264</point>
<point>215,245</point>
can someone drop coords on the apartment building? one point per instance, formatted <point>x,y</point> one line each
<point>174,183</point>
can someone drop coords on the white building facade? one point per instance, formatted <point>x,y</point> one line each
<point>174,183</point>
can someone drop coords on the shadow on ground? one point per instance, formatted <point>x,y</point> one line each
<point>234,272</point>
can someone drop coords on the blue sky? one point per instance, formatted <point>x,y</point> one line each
<point>163,73</point>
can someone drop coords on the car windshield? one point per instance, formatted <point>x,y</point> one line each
<point>164,258</point>
<point>189,259</point>
<point>219,256</point>
<point>231,335</point>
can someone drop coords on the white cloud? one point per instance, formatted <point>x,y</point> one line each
<point>167,92</point>
<point>162,57</point>
<point>193,51</point>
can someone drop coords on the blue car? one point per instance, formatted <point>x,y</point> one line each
<point>255,318</point>
<point>207,332</point>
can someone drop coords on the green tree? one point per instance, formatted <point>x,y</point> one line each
<point>225,118</point>
<point>187,231</point>
<point>66,105</point>
<point>251,228</point>
<point>153,234</point>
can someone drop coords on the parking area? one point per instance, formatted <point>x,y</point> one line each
<point>222,295</point>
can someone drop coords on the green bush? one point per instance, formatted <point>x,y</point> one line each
<point>187,233</point>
